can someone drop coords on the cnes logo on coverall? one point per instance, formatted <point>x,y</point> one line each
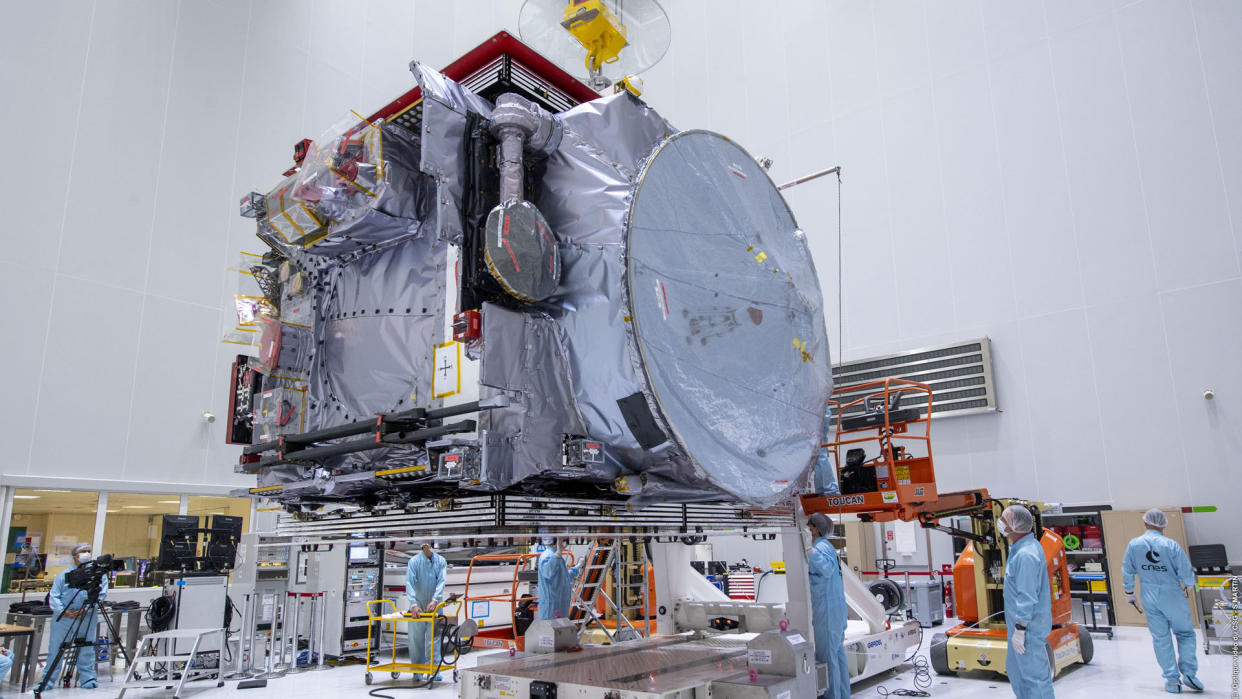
<point>1153,563</point>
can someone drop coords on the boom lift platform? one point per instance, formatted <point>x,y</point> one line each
<point>898,483</point>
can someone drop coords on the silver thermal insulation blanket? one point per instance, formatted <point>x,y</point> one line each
<point>376,289</point>
<point>445,106</point>
<point>360,185</point>
<point>690,329</point>
<point>403,203</point>
<point>379,316</point>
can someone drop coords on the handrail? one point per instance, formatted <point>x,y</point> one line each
<point>519,562</point>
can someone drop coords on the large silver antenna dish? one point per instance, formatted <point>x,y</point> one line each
<point>599,41</point>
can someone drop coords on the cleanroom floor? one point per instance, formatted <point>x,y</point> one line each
<point>1122,667</point>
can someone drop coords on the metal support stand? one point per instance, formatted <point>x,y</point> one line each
<point>282,640</point>
<point>244,665</point>
<point>323,634</point>
<point>294,668</point>
<point>272,670</point>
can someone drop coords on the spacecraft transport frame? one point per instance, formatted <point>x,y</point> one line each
<point>685,601</point>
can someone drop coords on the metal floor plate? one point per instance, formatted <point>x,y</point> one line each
<point>655,666</point>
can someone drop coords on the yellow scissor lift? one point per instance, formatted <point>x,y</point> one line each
<point>388,621</point>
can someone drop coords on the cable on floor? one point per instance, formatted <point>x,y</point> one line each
<point>922,679</point>
<point>922,682</point>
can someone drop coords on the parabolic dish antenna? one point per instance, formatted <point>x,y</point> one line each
<point>727,315</point>
<point>599,41</point>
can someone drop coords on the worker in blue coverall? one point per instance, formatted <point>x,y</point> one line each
<point>424,587</point>
<point>6,662</point>
<point>1028,606</point>
<point>1162,566</point>
<point>555,581</point>
<point>825,469</point>
<point>826,475</point>
<point>71,601</point>
<point>828,610</point>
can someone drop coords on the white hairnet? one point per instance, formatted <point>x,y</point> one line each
<point>79,548</point>
<point>821,522</point>
<point>1020,519</point>
<point>1156,517</point>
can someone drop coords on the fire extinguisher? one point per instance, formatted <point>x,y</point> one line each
<point>946,584</point>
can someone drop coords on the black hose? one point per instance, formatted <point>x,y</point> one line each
<point>160,613</point>
<point>759,583</point>
<point>229,609</point>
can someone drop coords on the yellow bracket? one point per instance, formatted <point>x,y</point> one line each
<point>599,31</point>
<point>399,471</point>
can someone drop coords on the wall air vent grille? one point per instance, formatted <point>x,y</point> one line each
<point>960,376</point>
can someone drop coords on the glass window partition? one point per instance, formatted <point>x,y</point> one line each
<point>45,526</point>
<point>47,523</point>
<point>132,532</point>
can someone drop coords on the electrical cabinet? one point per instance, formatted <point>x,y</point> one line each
<point>349,575</point>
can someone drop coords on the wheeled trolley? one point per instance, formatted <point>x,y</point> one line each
<point>388,618</point>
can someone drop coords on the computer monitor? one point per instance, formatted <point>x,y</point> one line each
<point>222,544</point>
<point>226,526</point>
<point>178,543</point>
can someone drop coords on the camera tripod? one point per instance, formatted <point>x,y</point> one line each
<point>76,640</point>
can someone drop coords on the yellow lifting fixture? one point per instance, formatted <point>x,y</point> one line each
<point>598,29</point>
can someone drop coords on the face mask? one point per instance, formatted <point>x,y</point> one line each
<point>84,557</point>
<point>1002,527</point>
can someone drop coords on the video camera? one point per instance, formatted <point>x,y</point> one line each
<point>89,576</point>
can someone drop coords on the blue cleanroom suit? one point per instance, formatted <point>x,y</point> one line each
<point>826,475</point>
<point>555,579</point>
<point>424,586</point>
<point>1162,566</point>
<point>61,598</point>
<point>828,618</point>
<point>6,662</point>
<point>825,466</point>
<point>1028,602</point>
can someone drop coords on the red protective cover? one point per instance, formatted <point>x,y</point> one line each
<point>500,44</point>
<point>269,344</point>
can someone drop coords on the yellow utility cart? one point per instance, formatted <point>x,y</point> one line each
<point>388,617</point>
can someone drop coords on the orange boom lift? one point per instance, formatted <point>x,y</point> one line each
<point>884,430</point>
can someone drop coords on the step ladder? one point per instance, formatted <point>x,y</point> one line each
<point>630,580</point>
<point>631,586</point>
<point>160,647</point>
<point>590,582</point>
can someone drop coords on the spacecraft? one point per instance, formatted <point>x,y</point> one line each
<point>505,282</point>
